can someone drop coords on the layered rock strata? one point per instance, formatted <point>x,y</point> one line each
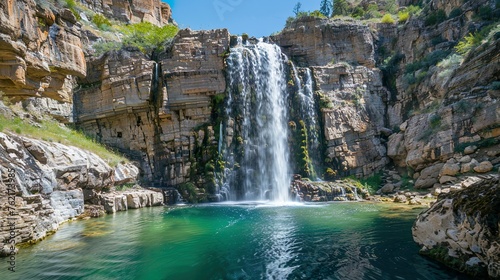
<point>134,11</point>
<point>156,112</point>
<point>41,51</point>
<point>44,184</point>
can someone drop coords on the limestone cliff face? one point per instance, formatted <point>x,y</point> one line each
<point>341,55</point>
<point>157,112</point>
<point>41,51</point>
<point>310,41</point>
<point>353,120</point>
<point>462,228</point>
<point>446,109</point>
<point>134,11</point>
<point>50,183</point>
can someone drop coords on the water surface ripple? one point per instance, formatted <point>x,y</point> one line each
<point>240,241</point>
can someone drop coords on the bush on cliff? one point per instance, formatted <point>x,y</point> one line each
<point>387,19</point>
<point>147,37</point>
<point>144,36</point>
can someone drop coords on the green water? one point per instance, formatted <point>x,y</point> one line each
<point>246,241</point>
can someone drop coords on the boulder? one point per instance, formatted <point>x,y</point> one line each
<point>447,179</point>
<point>428,176</point>
<point>470,150</point>
<point>388,188</point>
<point>461,229</point>
<point>400,199</point>
<point>450,169</point>
<point>484,167</point>
<point>469,166</point>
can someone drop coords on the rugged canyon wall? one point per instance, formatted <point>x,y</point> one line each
<point>44,184</point>
<point>41,55</point>
<point>135,11</point>
<point>158,112</point>
<point>444,116</point>
<point>349,87</point>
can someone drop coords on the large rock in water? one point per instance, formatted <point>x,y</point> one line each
<point>462,229</point>
<point>47,188</point>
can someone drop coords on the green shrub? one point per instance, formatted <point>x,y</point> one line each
<point>387,19</point>
<point>324,101</point>
<point>449,64</point>
<point>188,192</point>
<point>147,37</point>
<point>372,11</point>
<point>340,8</point>
<point>403,16</point>
<point>435,17</point>
<point>429,60</point>
<point>373,182</point>
<point>71,5</point>
<point>413,10</point>
<point>101,21</point>
<point>485,13</point>
<point>390,6</point>
<point>317,14</point>
<point>390,68</point>
<point>468,43</point>
<point>455,13</point>
<point>103,47</point>
<point>420,76</point>
<point>493,32</point>
<point>358,12</point>
<point>435,121</point>
<point>495,85</point>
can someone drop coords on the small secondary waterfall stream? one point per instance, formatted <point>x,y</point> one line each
<point>256,126</point>
<point>309,115</point>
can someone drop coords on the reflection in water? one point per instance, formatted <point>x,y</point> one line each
<point>282,248</point>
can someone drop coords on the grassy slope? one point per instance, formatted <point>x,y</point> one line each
<point>52,131</point>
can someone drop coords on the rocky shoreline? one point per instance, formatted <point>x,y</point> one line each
<point>462,229</point>
<point>44,184</point>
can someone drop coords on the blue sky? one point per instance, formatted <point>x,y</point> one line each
<point>255,17</point>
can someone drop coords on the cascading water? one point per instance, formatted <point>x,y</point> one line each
<point>308,113</point>
<point>256,152</point>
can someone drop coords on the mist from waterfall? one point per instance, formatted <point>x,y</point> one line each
<point>256,148</point>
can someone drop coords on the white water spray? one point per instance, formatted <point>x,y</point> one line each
<point>257,112</point>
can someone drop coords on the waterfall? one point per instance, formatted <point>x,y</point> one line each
<point>256,152</point>
<point>308,113</point>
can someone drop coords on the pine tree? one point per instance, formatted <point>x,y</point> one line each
<point>326,7</point>
<point>296,9</point>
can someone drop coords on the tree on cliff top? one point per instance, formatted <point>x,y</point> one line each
<point>296,8</point>
<point>147,37</point>
<point>326,7</point>
<point>340,7</point>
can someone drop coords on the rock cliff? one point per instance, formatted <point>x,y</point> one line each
<point>41,51</point>
<point>462,228</point>
<point>44,184</point>
<point>134,11</point>
<point>157,112</point>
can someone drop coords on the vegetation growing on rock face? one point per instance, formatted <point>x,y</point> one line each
<point>52,131</point>
<point>387,18</point>
<point>144,36</point>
